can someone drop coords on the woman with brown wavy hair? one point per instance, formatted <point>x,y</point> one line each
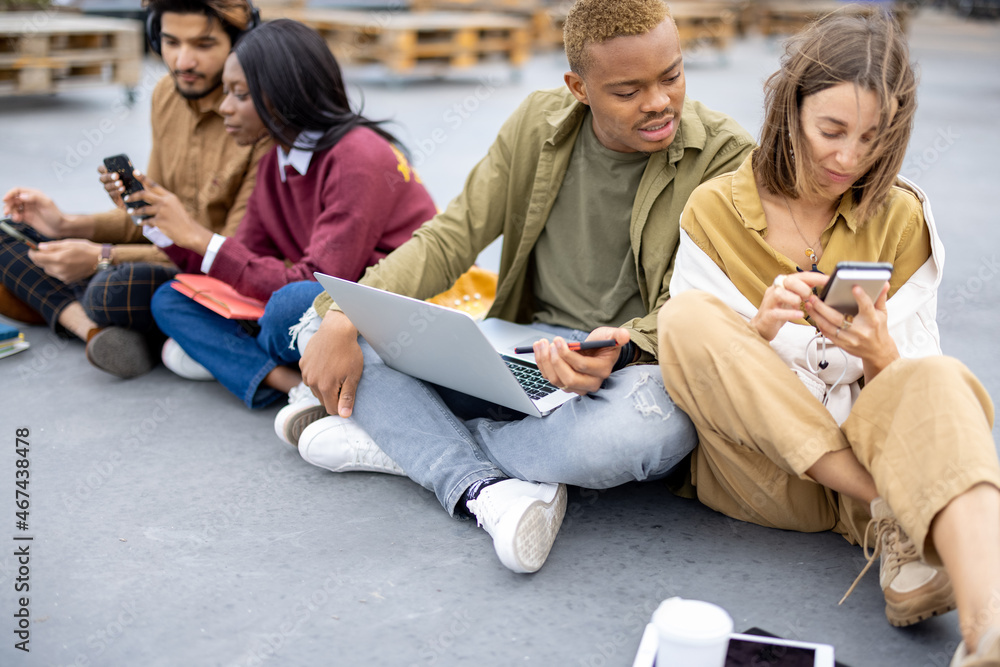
<point>873,433</point>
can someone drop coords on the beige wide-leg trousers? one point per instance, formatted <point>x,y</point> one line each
<point>922,428</point>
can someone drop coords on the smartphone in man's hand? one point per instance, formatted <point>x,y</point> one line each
<point>121,165</point>
<point>8,228</point>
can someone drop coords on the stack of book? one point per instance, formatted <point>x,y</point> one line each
<point>11,340</point>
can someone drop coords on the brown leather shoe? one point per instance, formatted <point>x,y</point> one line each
<point>15,309</point>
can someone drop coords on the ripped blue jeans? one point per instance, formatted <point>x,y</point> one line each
<point>628,430</point>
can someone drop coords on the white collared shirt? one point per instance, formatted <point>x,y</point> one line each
<point>298,158</point>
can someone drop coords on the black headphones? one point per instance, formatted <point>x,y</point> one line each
<point>153,27</point>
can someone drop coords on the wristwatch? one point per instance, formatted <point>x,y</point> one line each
<point>105,261</point>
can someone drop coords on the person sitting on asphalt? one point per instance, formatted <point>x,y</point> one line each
<point>97,279</point>
<point>585,184</point>
<point>335,195</point>
<point>873,434</point>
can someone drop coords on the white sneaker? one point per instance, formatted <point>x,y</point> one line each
<point>340,445</point>
<point>180,362</point>
<point>302,410</point>
<point>986,655</point>
<point>523,519</point>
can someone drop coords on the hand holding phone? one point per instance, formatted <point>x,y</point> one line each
<point>573,345</point>
<point>122,166</point>
<point>838,291</point>
<point>6,225</point>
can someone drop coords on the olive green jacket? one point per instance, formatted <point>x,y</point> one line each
<point>511,192</point>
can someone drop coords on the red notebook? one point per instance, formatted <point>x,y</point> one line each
<point>218,296</point>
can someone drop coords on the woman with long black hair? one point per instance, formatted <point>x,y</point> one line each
<point>335,195</point>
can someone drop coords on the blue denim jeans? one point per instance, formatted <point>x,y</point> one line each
<point>238,360</point>
<point>628,430</point>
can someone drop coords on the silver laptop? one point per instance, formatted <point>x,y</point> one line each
<point>448,347</point>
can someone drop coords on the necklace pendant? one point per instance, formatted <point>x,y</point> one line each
<point>812,258</point>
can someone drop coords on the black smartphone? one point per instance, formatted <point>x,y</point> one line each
<point>8,228</point>
<point>871,276</point>
<point>121,165</point>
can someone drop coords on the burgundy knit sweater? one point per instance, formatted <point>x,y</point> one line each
<point>356,203</point>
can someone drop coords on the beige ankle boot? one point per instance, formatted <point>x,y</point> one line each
<point>914,591</point>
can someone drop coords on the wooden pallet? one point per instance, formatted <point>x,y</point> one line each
<point>704,24</point>
<point>263,6</point>
<point>778,17</point>
<point>535,11</point>
<point>42,52</point>
<point>699,24</point>
<point>402,41</point>
<point>524,7</point>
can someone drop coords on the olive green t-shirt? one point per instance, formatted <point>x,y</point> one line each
<point>585,275</point>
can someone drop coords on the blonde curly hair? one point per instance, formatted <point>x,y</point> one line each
<point>596,21</point>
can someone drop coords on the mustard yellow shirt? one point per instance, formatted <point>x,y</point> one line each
<point>724,218</point>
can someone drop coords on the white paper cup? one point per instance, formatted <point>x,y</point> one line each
<point>691,633</point>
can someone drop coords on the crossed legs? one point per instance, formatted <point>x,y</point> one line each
<point>919,437</point>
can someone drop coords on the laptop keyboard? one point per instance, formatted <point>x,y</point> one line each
<point>530,378</point>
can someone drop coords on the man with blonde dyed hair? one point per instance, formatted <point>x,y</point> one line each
<point>597,22</point>
<point>586,184</point>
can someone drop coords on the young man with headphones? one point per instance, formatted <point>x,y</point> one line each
<point>93,275</point>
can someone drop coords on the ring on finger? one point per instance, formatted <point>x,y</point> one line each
<point>845,324</point>
<point>779,280</point>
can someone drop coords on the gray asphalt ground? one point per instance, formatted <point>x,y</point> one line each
<point>172,528</point>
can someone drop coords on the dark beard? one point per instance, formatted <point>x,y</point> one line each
<point>197,96</point>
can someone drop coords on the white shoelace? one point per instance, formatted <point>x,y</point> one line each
<point>368,453</point>
<point>300,392</point>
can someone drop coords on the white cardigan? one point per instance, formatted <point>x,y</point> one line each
<point>912,316</point>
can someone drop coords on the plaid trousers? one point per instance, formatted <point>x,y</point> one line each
<point>119,296</point>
